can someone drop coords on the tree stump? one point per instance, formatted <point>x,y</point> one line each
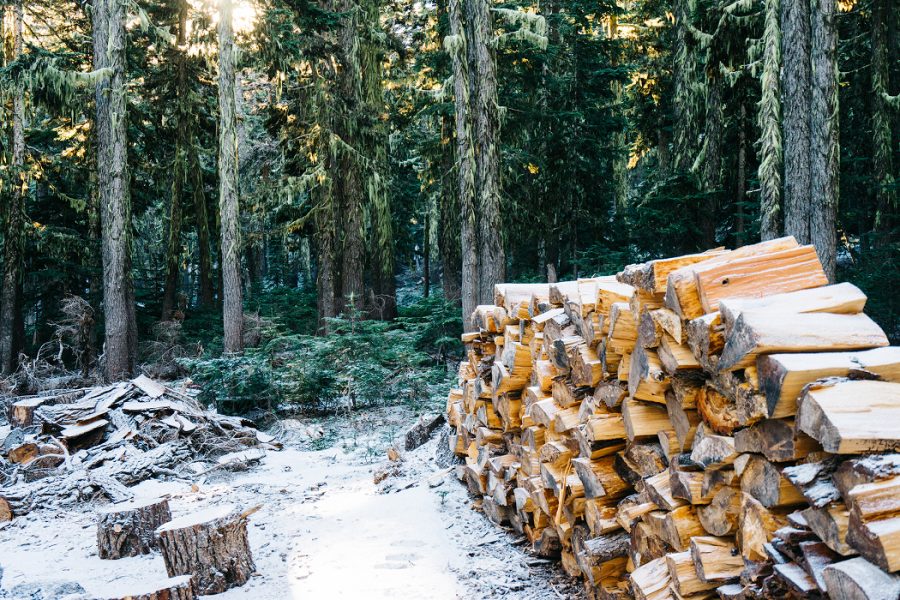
<point>211,545</point>
<point>6,513</point>
<point>174,588</point>
<point>128,528</point>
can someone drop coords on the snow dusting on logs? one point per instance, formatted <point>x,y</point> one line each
<point>722,424</point>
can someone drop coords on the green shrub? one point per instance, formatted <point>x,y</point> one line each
<point>358,363</point>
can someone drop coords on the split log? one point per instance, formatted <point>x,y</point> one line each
<point>706,339</point>
<point>712,451</point>
<point>842,298</point>
<point>763,480</point>
<point>776,439</point>
<point>599,477</point>
<point>717,410</point>
<point>830,524</point>
<point>758,333</point>
<point>715,559</point>
<point>756,527</point>
<point>865,469</point>
<point>849,417</point>
<point>682,294</point>
<point>720,517</point>
<point>127,529</point>
<point>211,545</point>
<point>684,576</point>
<point>644,419</point>
<point>755,276</point>
<point>858,579</point>
<point>797,580</point>
<point>874,527</point>
<point>815,481</point>
<point>675,527</point>
<point>173,588</point>
<point>650,581</point>
<point>782,376</point>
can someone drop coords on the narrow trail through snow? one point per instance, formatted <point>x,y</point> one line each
<point>325,530</point>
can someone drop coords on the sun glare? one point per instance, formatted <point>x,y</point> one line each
<point>243,15</point>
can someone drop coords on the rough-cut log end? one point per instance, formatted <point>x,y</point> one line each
<point>211,545</point>
<point>858,579</point>
<point>127,529</point>
<point>174,588</point>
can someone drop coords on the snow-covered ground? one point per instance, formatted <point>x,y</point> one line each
<point>325,529</point>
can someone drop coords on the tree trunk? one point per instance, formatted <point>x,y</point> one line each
<point>741,191</point>
<point>179,172</point>
<point>492,262</point>
<point>448,232</point>
<point>115,201</point>
<point>426,254</point>
<point>882,134</point>
<point>458,46</point>
<point>769,122</point>
<point>686,101</point>
<point>230,255</point>
<point>712,164</point>
<point>13,247</point>
<point>825,155</point>
<point>796,83</point>
<point>326,262</point>
<point>204,247</point>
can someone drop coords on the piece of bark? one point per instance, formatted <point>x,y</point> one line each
<point>211,545</point>
<point>758,333</point>
<point>849,417</point>
<point>127,529</point>
<point>858,579</point>
<point>782,376</point>
<point>421,432</point>
<point>173,588</point>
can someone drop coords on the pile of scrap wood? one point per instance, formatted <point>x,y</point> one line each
<point>719,424</point>
<point>74,445</point>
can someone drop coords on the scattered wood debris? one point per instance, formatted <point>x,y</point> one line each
<point>71,446</point>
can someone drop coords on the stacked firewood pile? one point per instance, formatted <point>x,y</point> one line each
<point>77,445</point>
<point>719,424</point>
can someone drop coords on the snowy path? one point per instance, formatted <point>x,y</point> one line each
<point>325,530</point>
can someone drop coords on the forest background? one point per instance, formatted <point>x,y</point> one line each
<point>296,201</point>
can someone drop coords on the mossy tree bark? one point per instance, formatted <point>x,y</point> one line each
<point>115,201</point>
<point>230,256</point>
